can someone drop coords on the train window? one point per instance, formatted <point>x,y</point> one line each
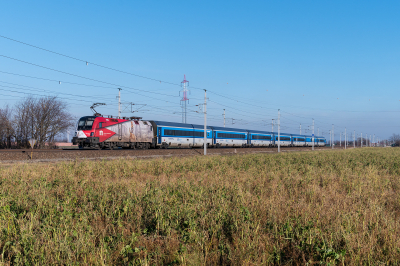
<point>261,137</point>
<point>283,138</point>
<point>85,123</point>
<point>100,124</point>
<point>151,128</point>
<point>145,123</point>
<point>136,122</point>
<point>198,134</point>
<point>231,136</point>
<point>179,133</point>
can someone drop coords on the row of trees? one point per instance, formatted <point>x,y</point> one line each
<point>394,139</point>
<point>42,119</point>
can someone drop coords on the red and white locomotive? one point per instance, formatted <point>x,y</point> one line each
<point>108,132</point>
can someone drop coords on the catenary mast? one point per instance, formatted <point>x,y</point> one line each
<point>185,99</point>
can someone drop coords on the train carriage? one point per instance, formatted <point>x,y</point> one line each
<point>181,135</point>
<point>320,141</point>
<point>229,137</point>
<point>298,140</point>
<point>308,141</point>
<point>285,139</point>
<point>260,138</point>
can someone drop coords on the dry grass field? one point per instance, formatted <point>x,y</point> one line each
<point>327,207</point>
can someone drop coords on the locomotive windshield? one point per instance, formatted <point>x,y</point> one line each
<point>86,123</point>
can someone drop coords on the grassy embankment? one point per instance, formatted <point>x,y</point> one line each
<point>333,207</point>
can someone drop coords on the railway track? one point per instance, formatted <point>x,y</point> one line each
<point>10,156</point>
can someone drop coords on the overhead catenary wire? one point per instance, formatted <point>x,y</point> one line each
<point>141,76</point>
<point>159,80</point>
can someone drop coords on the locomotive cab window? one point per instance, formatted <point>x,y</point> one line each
<point>100,124</point>
<point>85,123</point>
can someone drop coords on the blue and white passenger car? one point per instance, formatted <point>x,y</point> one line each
<point>320,141</point>
<point>285,139</point>
<point>229,137</point>
<point>298,140</point>
<point>181,135</point>
<point>260,138</point>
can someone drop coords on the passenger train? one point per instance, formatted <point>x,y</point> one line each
<point>107,132</point>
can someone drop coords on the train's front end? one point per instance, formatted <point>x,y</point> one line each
<point>84,131</point>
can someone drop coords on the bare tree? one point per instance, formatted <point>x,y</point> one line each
<point>394,139</point>
<point>42,119</point>
<point>6,127</point>
<point>23,121</point>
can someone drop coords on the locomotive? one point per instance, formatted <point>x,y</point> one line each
<point>101,132</point>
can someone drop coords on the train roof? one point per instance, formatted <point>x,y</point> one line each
<point>173,124</point>
<point>183,125</point>
<point>229,129</point>
<point>200,127</point>
<point>260,132</point>
<point>276,133</point>
<point>310,136</point>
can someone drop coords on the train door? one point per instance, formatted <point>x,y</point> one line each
<point>159,135</point>
<point>215,137</point>
<point>119,131</point>
<point>194,138</point>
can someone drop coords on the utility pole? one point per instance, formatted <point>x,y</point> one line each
<point>312,134</point>
<point>330,137</point>
<point>224,117</point>
<point>333,135</point>
<point>370,140</point>
<point>205,122</point>
<point>373,141</point>
<point>361,141</point>
<point>273,125</point>
<point>119,103</point>
<point>345,138</point>
<point>300,129</point>
<point>279,130</point>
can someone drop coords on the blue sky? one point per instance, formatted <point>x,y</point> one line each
<point>334,61</point>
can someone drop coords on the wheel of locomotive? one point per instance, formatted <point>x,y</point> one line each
<point>80,146</point>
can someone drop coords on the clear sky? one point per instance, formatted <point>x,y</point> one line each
<point>334,61</point>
